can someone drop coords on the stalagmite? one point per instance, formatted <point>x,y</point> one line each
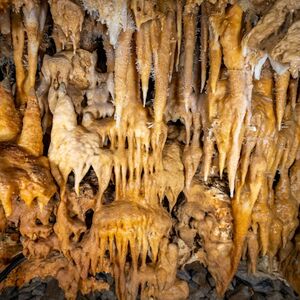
<point>24,175</point>
<point>31,137</point>
<point>208,214</point>
<point>261,222</point>
<point>65,135</point>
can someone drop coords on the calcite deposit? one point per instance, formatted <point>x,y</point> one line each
<point>139,136</point>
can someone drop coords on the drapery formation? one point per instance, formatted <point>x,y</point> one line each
<point>129,129</point>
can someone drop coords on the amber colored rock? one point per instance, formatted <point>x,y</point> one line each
<point>140,136</point>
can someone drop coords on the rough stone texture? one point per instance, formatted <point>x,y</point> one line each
<point>201,285</point>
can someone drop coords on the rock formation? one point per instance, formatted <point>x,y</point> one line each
<point>139,136</point>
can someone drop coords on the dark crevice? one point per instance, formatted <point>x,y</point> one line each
<point>89,218</point>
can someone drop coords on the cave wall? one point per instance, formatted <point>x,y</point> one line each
<point>139,136</point>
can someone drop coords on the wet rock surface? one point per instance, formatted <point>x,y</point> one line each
<point>48,289</point>
<point>201,284</point>
<point>243,286</point>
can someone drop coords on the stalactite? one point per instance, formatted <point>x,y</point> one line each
<point>261,157</point>
<point>161,46</point>
<point>281,88</point>
<point>68,18</point>
<point>204,46</point>
<point>238,97</point>
<point>215,52</point>
<point>144,57</point>
<point>18,46</point>
<point>121,67</point>
<point>189,21</point>
<point>34,21</point>
<point>34,17</point>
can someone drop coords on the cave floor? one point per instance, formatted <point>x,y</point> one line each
<point>201,284</point>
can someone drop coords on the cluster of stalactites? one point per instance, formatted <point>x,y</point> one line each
<point>253,119</point>
<point>136,137</point>
<point>236,98</point>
